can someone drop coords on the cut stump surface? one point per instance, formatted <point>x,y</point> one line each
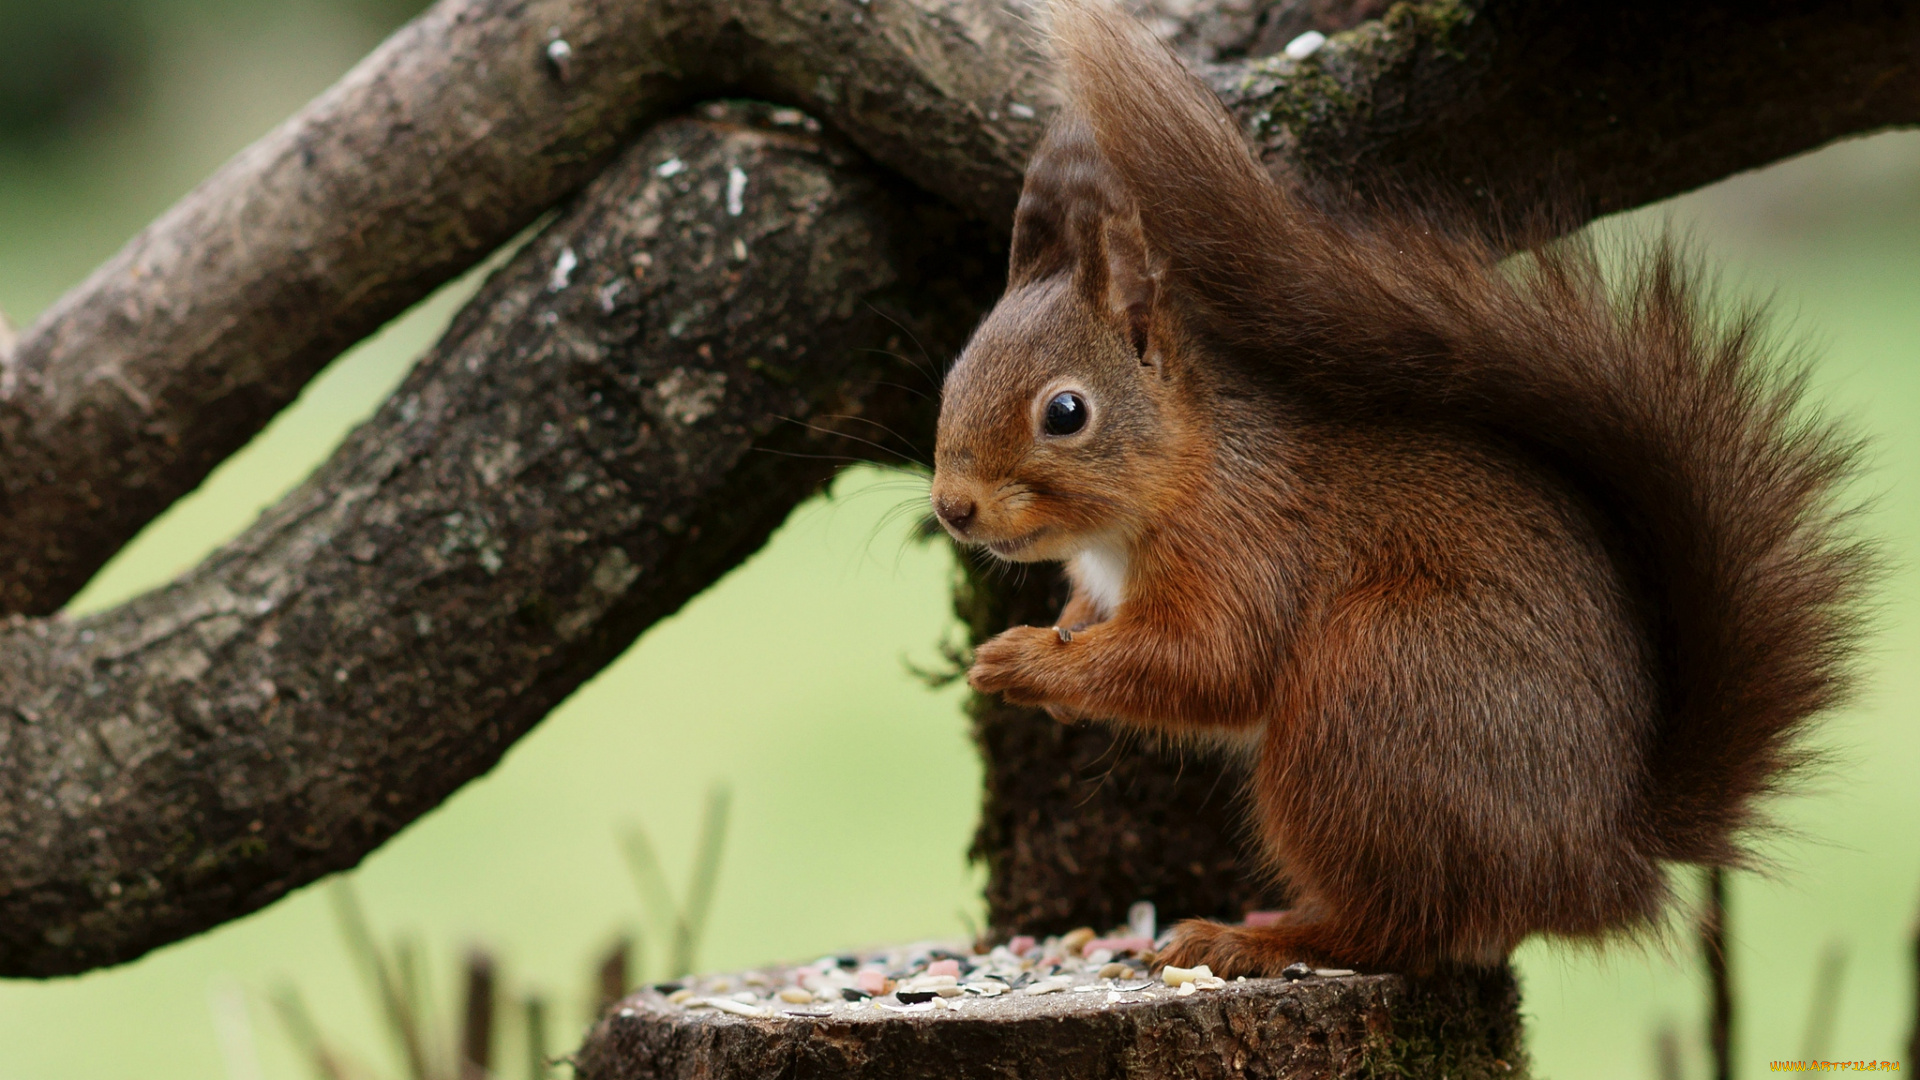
<point>1463,1025</point>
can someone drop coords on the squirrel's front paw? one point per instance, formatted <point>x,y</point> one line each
<point>1009,664</point>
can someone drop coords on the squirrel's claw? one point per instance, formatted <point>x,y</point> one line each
<point>1008,664</point>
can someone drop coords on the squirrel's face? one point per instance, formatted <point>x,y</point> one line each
<point>1049,422</point>
<point>1056,421</point>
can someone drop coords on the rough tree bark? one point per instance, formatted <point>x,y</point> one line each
<point>384,633</point>
<point>622,414</point>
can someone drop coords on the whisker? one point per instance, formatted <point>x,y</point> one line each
<point>886,520</point>
<point>916,392</point>
<point>909,443</point>
<point>817,430</point>
<point>924,370</point>
<point>902,387</point>
<point>1098,783</point>
<point>926,359</point>
<point>1069,496</point>
<point>845,459</point>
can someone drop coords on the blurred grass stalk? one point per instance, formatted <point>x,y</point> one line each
<point>1713,945</point>
<point>1666,1052</point>
<point>1913,1038</point>
<point>397,978</point>
<point>683,924</point>
<point>1823,1005</point>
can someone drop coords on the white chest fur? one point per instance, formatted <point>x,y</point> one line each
<point>1101,573</point>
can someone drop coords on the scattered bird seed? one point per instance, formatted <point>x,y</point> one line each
<point>1332,973</point>
<point>728,1005</point>
<point>1179,976</point>
<point>1073,941</point>
<point>671,167</point>
<point>1295,972</point>
<point>1141,918</point>
<point>1114,946</point>
<point>1096,970</point>
<point>1024,112</point>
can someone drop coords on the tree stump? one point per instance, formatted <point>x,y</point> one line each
<point>1463,1025</point>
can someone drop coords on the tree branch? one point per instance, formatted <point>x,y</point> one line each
<point>454,135</point>
<point>1597,107</point>
<point>623,414</point>
<point>462,128</point>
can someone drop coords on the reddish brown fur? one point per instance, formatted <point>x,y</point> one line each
<point>1517,587</point>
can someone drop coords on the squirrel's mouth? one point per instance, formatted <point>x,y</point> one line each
<point>1007,549</point>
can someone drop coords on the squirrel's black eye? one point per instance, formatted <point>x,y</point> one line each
<point>1066,413</point>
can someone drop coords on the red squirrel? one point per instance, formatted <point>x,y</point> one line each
<point>1514,586</point>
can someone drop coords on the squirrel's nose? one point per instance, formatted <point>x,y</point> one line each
<point>954,511</point>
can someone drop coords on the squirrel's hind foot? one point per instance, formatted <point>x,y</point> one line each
<point>1253,951</point>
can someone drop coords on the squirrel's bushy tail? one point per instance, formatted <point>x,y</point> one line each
<point>1669,417</point>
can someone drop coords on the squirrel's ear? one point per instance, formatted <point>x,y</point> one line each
<point>1049,224</point>
<point>1075,217</point>
<point>1128,288</point>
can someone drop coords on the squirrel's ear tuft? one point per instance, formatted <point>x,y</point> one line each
<point>1209,217</point>
<point>1075,218</point>
<point>1069,194</point>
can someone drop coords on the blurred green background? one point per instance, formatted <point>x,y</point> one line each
<point>854,785</point>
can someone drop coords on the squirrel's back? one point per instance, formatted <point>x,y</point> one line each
<point>1667,418</point>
